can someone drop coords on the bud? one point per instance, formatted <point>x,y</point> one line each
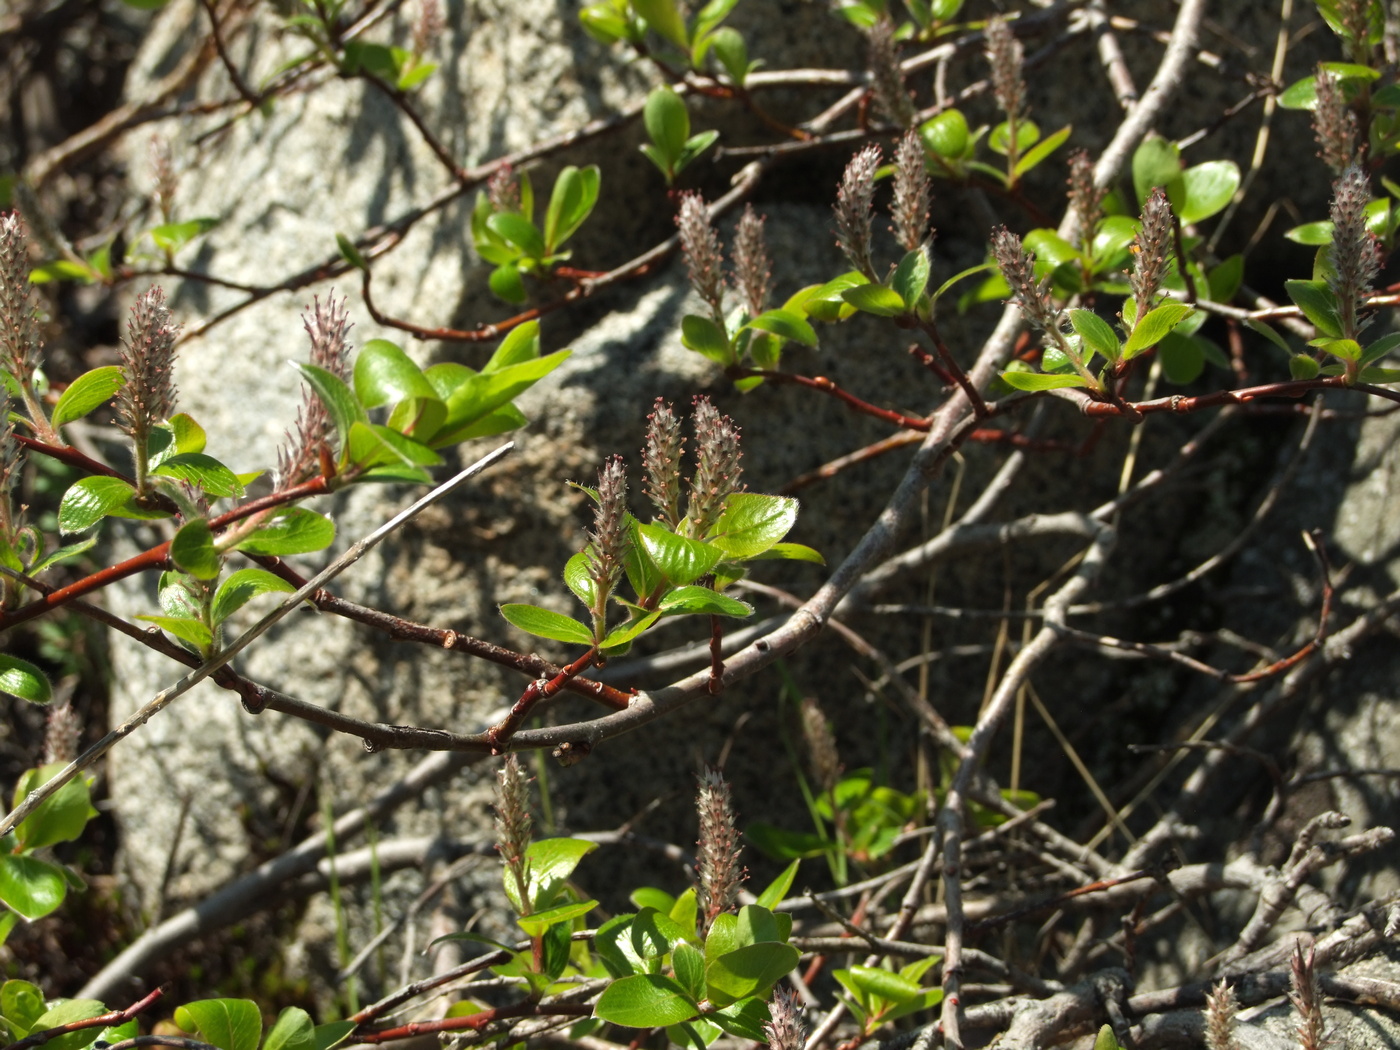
<point>1354,16</point>
<point>1334,124</point>
<point>503,189</point>
<point>1032,296</point>
<point>661,463</point>
<point>19,329</point>
<point>718,872</point>
<point>1085,198</point>
<point>1220,1017</point>
<point>703,256</point>
<point>428,26</point>
<point>822,757</point>
<point>1154,248</point>
<point>751,266</point>
<point>717,468</point>
<point>163,174</point>
<point>1307,1000</point>
<point>911,193</point>
<point>326,326</point>
<point>1006,57</point>
<point>62,734</point>
<point>785,1031</point>
<point>513,824</point>
<point>853,201</point>
<point>1355,253</point>
<point>608,541</point>
<point>147,361</point>
<point>886,78</point>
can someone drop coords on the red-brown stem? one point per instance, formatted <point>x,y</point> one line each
<point>114,1017</point>
<point>1314,539</point>
<point>541,689</point>
<point>716,682</point>
<point>155,557</point>
<point>974,398</point>
<point>931,363</point>
<point>474,1022</point>
<point>1183,405</point>
<point>826,386</point>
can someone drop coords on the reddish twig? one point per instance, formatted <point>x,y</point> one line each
<point>716,683</point>
<point>498,736</point>
<point>474,1022</point>
<point>826,386</point>
<point>114,1017</point>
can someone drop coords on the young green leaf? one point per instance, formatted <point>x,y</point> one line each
<point>1182,358</point>
<point>875,299</point>
<point>702,600</point>
<point>506,283</point>
<point>663,17</point>
<point>619,638</point>
<point>201,472</point>
<point>1042,149</point>
<point>87,392</point>
<point>1318,303</point>
<point>293,1031</point>
<point>229,1024</point>
<point>89,500</point>
<point>911,277</point>
<point>667,122</point>
<point>350,253</point>
<point>385,374</point>
<point>1098,334</point>
<point>705,337</point>
<point>1149,330</point>
<point>22,679</point>
<point>1208,188</point>
<point>545,623</point>
<point>184,628</point>
<point>521,344</point>
<point>749,970</point>
<point>242,587</point>
<point>59,818</point>
<point>733,53</point>
<point>1156,162</point>
<point>33,888</point>
<point>519,231</point>
<point>1268,332</point>
<point>570,203</point>
<point>744,1019</point>
<point>645,1000</point>
<point>1036,381</point>
<point>192,550</point>
<point>173,236</point>
<point>788,324</point>
<point>341,404</point>
<point>753,522</point>
<point>946,135</point>
<point>680,559</point>
<point>293,530</point>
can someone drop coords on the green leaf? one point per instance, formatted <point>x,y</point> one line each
<point>613,943</point>
<point>385,374</point>
<point>1156,162</point>
<point>68,1011</point>
<point>619,638</point>
<point>520,232</point>
<point>1149,330</point>
<point>536,923</point>
<point>1382,346</point>
<point>1036,381</point>
<point>293,530</point>
<point>1301,366</point>
<point>1318,303</point>
<point>785,323</point>
<point>184,628</point>
<point>482,394</point>
<point>1346,349</point>
<point>705,337</point>
<point>680,559</point>
<point>71,550</point>
<point>172,236</point>
<point>751,970</point>
<point>32,887</point>
<point>1225,279</point>
<point>1268,333</point>
<point>506,283</point>
<point>230,1024</point>
<point>777,890</point>
<point>662,16</point>
<point>545,623</point>
<point>329,1036</point>
<point>192,550</point>
<point>733,53</point>
<point>1050,249</point>
<point>1313,234</point>
<point>744,1019</point>
<point>350,253</point>
<point>872,985</point>
<point>910,278</point>
<point>521,344</point>
<point>570,203</point>
<point>416,75</point>
<point>702,600</point>
<point>87,392</point>
<point>1380,375</point>
<point>645,1000</point>
<point>1208,188</point>
<point>293,1031</point>
<point>946,135</point>
<point>694,146</point>
<point>1098,334</point>
<point>579,580</point>
<point>22,679</point>
<point>667,122</point>
<point>1182,358</point>
<point>242,587</point>
<point>875,299</point>
<point>373,445</point>
<point>752,523</point>
<point>202,472</point>
<point>340,401</point>
<point>1106,1040</point>
<point>551,861</point>
<point>22,1004</point>
<point>654,933</point>
<point>1027,135</point>
<point>688,962</point>
<point>89,500</point>
<point>61,817</point>
<point>1041,150</point>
